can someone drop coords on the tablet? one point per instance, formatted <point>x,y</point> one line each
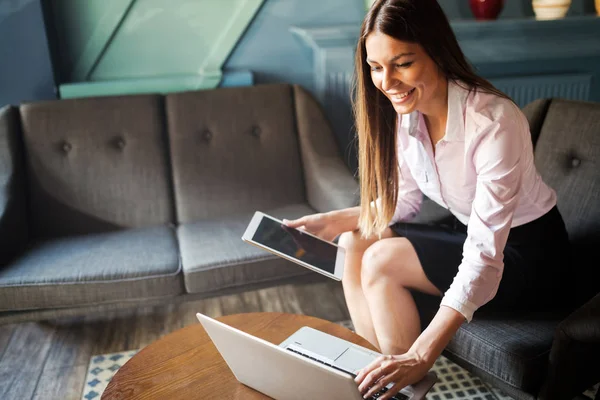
<point>295,245</point>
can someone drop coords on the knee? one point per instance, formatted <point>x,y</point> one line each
<point>354,246</point>
<point>352,242</point>
<point>382,263</point>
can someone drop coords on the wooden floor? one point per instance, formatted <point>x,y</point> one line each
<point>48,360</point>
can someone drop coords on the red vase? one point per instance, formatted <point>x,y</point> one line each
<point>486,9</point>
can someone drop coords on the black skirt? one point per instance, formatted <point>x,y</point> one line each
<point>536,258</point>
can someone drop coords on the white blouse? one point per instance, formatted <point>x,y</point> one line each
<point>483,172</point>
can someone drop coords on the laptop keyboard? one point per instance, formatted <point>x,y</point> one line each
<point>398,396</point>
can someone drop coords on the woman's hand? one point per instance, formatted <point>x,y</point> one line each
<point>329,225</point>
<point>412,366</point>
<point>400,370</point>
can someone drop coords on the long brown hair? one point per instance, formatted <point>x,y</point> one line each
<point>415,21</point>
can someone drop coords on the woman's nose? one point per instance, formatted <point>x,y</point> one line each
<point>388,81</point>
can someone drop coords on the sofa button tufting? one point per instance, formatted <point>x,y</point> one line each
<point>207,135</point>
<point>575,162</point>
<point>66,147</point>
<point>120,143</point>
<point>256,132</point>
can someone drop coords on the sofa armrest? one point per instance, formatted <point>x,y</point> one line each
<point>535,112</point>
<point>329,183</point>
<point>573,361</point>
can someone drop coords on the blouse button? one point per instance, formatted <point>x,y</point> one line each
<point>575,162</point>
<point>207,135</point>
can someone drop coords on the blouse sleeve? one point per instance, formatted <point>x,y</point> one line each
<point>497,151</point>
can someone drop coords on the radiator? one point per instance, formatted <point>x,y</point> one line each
<point>522,89</point>
<point>525,89</point>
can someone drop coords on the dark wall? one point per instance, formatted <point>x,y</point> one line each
<point>268,48</point>
<point>273,53</point>
<point>25,66</point>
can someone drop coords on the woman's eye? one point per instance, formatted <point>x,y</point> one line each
<point>374,68</point>
<point>405,65</point>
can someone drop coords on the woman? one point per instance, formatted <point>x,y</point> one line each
<point>427,124</point>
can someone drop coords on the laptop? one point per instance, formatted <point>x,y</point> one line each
<point>309,364</point>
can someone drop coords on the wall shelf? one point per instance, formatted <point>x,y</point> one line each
<point>518,40</point>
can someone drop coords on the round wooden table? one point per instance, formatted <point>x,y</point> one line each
<point>185,364</point>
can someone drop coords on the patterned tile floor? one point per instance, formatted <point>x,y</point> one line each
<point>100,371</point>
<point>454,382</point>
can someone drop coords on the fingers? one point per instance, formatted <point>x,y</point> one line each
<point>329,237</point>
<point>295,223</point>
<point>396,371</point>
<point>371,373</point>
<point>386,375</point>
<point>376,363</point>
<point>392,391</point>
<point>381,379</point>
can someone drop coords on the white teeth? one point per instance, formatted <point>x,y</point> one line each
<point>403,95</point>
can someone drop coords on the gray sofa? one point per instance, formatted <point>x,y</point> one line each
<point>118,201</point>
<point>110,202</point>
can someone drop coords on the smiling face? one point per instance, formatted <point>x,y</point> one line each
<point>404,73</point>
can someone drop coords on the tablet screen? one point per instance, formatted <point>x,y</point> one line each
<point>297,244</point>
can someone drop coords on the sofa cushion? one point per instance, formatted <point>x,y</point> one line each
<point>93,269</point>
<point>97,164</point>
<point>215,257</point>
<point>234,150</point>
<point>13,209</point>
<point>513,349</point>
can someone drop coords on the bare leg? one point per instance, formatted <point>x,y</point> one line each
<point>389,268</point>
<point>355,247</point>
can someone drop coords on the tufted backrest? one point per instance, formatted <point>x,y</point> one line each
<point>97,164</point>
<point>13,210</point>
<point>234,150</point>
<point>567,154</point>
